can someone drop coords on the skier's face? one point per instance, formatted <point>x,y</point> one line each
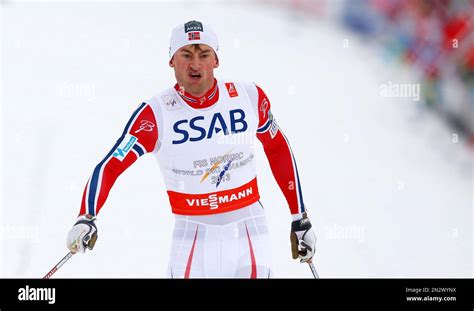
<point>194,68</point>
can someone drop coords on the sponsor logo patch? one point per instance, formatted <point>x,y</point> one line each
<point>146,126</point>
<point>231,89</point>
<point>124,148</point>
<point>273,126</point>
<point>193,26</point>
<point>264,107</point>
<point>171,103</point>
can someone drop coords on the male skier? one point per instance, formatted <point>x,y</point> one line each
<point>201,132</point>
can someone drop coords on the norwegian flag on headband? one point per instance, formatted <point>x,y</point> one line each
<point>194,36</point>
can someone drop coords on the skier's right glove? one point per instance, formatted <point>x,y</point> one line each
<point>82,235</point>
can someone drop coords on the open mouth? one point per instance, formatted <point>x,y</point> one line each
<point>194,76</point>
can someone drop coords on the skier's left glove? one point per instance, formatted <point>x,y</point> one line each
<point>303,239</point>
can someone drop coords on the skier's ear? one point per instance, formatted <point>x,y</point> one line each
<point>171,63</point>
<point>217,61</point>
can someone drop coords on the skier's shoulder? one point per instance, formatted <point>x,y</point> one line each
<point>161,98</point>
<point>228,82</point>
<point>248,86</point>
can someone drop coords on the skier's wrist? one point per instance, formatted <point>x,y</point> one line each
<point>297,216</point>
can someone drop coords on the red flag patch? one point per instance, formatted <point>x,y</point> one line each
<point>194,36</point>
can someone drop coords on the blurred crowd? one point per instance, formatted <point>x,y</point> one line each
<point>436,39</point>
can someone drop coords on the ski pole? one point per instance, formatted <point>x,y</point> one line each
<point>56,267</point>
<point>313,269</point>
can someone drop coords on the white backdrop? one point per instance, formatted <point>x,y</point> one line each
<point>388,188</point>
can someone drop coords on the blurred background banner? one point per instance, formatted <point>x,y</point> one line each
<point>375,96</point>
<point>435,39</point>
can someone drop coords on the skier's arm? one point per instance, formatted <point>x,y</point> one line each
<point>138,138</point>
<point>279,155</point>
<point>283,165</point>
